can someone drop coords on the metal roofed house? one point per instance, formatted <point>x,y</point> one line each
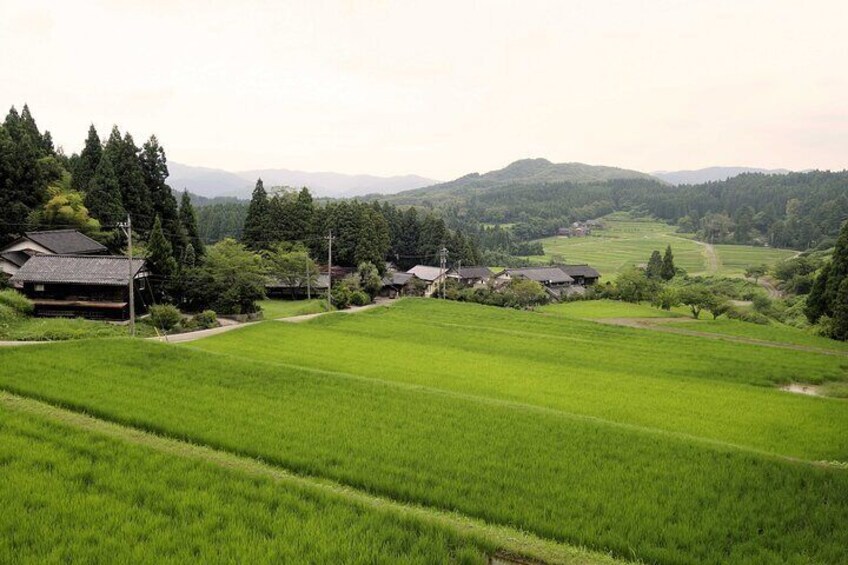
<point>88,286</point>
<point>431,275</point>
<point>52,242</point>
<point>471,276</point>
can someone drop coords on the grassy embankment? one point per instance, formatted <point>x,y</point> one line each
<point>496,423</point>
<point>276,309</point>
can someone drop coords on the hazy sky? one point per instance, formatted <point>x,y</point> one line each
<point>440,88</point>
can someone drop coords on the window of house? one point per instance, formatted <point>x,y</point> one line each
<point>39,288</point>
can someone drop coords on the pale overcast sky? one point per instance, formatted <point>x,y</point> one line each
<point>440,88</point>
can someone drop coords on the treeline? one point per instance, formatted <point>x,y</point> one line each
<point>798,210</point>
<point>93,191</point>
<point>362,232</point>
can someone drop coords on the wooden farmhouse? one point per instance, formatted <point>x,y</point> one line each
<point>87,286</point>
<point>52,242</point>
<point>559,281</point>
<point>471,276</point>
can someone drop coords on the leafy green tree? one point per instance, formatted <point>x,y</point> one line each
<point>64,207</point>
<point>697,297</point>
<point>292,266</point>
<point>666,298</point>
<point>369,279</point>
<point>668,269</point>
<point>524,293</point>
<point>655,266</point>
<point>756,271</point>
<point>103,196</point>
<point>230,279</point>
<point>85,168</point>
<point>161,262</point>
<point>257,225</point>
<point>633,285</point>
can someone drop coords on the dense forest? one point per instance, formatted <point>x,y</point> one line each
<point>798,210</point>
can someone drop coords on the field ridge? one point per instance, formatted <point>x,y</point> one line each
<point>515,546</point>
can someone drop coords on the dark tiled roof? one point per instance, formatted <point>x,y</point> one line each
<point>397,279</point>
<point>474,272</point>
<point>16,258</point>
<point>65,241</point>
<point>544,275</point>
<point>580,271</point>
<point>108,270</point>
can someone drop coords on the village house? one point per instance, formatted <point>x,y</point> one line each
<point>471,276</point>
<point>431,276</point>
<point>396,285</point>
<point>559,281</point>
<point>53,242</point>
<point>298,289</point>
<point>88,286</point>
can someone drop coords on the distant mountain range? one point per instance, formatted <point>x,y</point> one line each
<point>711,174</point>
<point>212,183</point>
<point>410,189</point>
<point>524,172</point>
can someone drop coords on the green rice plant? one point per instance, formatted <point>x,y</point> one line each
<point>71,496</point>
<point>640,493</point>
<point>676,383</point>
<point>274,309</point>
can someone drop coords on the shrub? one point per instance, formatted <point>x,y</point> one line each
<point>165,316</point>
<point>359,298</point>
<point>16,301</point>
<point>747,316</point>
<point>206,320</point>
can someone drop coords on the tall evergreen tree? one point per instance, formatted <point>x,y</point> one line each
<point>134,193</point>
<point>89,159</point>
<point>668,269</point>
<point>154,166</point>
<point>188,225</point>
<point>257,225</point>
<point>823,299</point>
<point>655,266</point>
<point>161,262</point>
<point>103,196</point>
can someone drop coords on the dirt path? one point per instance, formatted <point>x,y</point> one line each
<point>771,289</point>
<point>656,324</point>
<point>514,546</point>
<point>713,263</point>
<point>200,334</point>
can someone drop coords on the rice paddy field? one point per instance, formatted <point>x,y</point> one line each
<point>614,443</point>
<point>626,242</point>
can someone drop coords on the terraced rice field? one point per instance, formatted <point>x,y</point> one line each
<point>649,446</point>
<point>626,242</point>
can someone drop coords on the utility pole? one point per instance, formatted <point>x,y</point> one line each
<point>127,226</point>
<point>330,271</point>
<point>443,259</point>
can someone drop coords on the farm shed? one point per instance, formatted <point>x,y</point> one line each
<point>583,275</point>
<point>557,283</point>
<point>297,288</point>
<point>87,286</point>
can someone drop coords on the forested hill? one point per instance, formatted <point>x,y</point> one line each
<point>796,210</point>
<point>525,172</point>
